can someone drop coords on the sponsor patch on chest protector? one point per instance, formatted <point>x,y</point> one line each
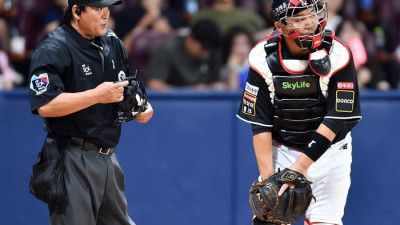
<point>344,101</point>
<point>249,104</point>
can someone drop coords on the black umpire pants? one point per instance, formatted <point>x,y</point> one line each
<point>95,190</point>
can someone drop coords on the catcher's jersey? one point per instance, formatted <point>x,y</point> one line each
<point>67,62</point>
<point>339,88</point>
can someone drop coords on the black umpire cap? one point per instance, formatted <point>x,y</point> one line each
<point>95,3</point>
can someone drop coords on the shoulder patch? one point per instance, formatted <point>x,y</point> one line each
<point>339,56</point>
<point>39,83</point>
<point>257,59</point>
<point>258,62</point>
<point>249,104</point>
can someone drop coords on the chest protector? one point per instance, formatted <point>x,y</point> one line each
<point>297,94</point>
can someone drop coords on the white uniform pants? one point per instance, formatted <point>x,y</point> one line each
<point>330,175</point>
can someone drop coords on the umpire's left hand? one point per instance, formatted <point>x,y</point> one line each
<point>146,115</point>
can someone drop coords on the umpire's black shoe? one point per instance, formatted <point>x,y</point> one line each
<point>256,221</point>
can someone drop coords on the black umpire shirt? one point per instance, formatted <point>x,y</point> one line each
<point>67,62</point>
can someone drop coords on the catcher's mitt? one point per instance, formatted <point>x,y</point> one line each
<point>286,209</point>
<point>135,100</point>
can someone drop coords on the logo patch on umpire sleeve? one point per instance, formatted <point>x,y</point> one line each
<point>39,83</point>
<point>344,101</point>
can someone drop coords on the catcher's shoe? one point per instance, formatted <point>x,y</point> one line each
<point>257,221</point>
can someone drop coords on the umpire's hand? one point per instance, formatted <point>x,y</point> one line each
<point>146,115</point>
<point>109,92</point>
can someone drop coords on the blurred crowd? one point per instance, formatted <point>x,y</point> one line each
<point>203,44</point>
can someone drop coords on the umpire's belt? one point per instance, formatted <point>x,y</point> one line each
<point>88,146</point>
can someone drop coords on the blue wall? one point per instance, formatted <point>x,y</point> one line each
<point>193,162</point>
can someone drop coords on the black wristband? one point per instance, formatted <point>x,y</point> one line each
<point>317,146</point>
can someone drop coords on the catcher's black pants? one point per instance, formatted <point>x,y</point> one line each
<point>95,190</point>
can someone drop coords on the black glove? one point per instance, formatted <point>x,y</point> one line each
<point>135,100</point>
<point>286,209</point>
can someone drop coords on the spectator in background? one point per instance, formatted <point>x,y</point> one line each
<point>235,50</point>
<point>361,43</point>
<point>380,20</point>
<point>187,61</point>
<point>352,33</point>
<point>386,31</point>
<point>8,13</point>
<point>226,15</point>
<point>53,17</point>
<point>144,16</point>
<point>335,17</point>
<point>142,26</point>
<point>4,35</point>
<point>8,76</point>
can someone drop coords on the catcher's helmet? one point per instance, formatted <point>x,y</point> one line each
<point>306,29</point>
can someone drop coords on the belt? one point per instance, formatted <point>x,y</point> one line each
<point>88,146</point>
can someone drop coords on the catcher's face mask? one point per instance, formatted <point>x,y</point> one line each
<point>302,21</point>
<point>135,100</point>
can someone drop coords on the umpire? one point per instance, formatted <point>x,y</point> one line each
<point>73,87</point>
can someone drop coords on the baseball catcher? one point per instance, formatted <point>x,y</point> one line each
<point>302,100</point>
<point>288,208</point>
